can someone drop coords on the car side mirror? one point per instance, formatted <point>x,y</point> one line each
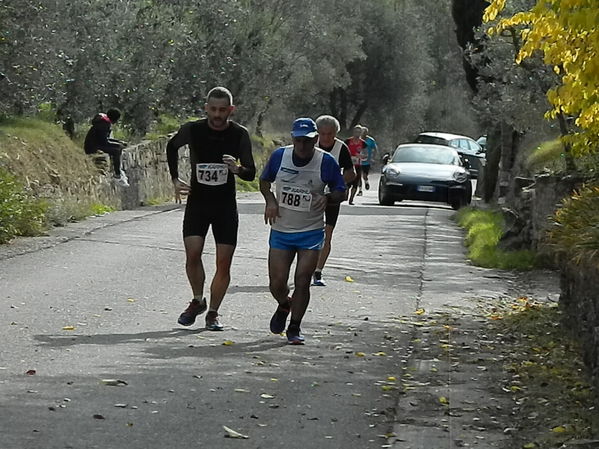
<point>386,158</point>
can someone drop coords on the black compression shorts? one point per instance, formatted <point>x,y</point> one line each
<point>331,214</point>
<point>199,217</point>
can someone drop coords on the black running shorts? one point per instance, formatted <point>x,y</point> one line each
<point>365,169</point>
<point>331,214</point>
<point>200,216</point>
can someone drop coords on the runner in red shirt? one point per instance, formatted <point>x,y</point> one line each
<point>356,145</point>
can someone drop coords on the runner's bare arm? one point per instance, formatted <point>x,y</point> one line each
<point>349,174</point>
<point>271,210</point>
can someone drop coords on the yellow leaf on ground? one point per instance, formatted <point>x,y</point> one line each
<point>69,328</point>
<point>380,354</point>
<point>131,299</point>
<point>419,312</point>
<point>559,429</point>
<point>228,343</point>
<point>360,354</point>
<point>391,379</point>
<point>529,446</point>
<point>443,400</point>
<point>348,279</point>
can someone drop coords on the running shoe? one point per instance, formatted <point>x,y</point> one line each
<point>317,279</point>
<point>279,318</point>
<point>212,323</point>
<point>122,180</point>
<point>367,185</point>
<point>196,307</point>
<point>359,193</point>
<point>294,336</point>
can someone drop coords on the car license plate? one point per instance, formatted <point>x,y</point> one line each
<point>425,188</point>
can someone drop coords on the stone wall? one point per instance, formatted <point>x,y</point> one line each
<point>531,207</point>
<point>147,169</point>
<point>580,302</point>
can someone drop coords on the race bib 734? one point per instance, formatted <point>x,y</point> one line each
<point>212,174</point>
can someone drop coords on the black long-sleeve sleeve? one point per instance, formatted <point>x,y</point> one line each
<point>172,150</point>
<point>248,171</point>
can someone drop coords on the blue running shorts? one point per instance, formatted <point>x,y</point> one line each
<point>293,241</point>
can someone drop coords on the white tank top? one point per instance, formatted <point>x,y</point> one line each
<point>336,150</point>
<point>295,190</point>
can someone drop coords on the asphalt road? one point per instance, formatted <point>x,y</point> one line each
<point>99,300</point>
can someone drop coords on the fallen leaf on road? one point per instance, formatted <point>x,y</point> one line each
<point>380,354</point>
<point>99,417</point>
<point>113,382</point>
<point>131,300</point>
<point>241,390</point>
<point>559,429</point>
<point>348,279</point>
<point>388,387</point>
<point>68,328</point>
<point>529,446</point>
<point>31,372</point>
<point>274,379</point>
<point>233,434</point>
<point>419,312</point>
<point>266,396</point>
<point>391,379</point>
<point>360,354</point>
<point>228,343</point>
<point>443,400</point>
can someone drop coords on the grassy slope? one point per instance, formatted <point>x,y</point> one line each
<point>50,165</point>
<point>483,232</point>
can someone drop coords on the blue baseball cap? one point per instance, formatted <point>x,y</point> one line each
<point>304,127</point>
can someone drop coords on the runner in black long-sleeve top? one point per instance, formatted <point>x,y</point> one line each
<point>219,150</point>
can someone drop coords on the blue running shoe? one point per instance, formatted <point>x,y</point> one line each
<point>279,318</point>
<point>294,336</point>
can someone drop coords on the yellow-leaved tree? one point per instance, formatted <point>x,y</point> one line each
<point>566,32</point>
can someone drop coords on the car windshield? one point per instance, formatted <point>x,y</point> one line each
<point>425,155</point>
<point>423,138</point>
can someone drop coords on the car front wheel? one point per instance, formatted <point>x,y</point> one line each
<point>385,198</point>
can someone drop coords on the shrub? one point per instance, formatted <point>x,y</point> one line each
<point>20,213</point>
<point>576,231</point>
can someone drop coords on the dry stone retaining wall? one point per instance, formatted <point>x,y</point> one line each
<point>147,169</point>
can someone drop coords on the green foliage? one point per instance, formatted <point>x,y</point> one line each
<point>100,209</point>
<point>165,124</point>
<point>363,61</point>
<point>575,235</point>
<point>548,155</point>
<point>483,231</point>
<point>20,213</point>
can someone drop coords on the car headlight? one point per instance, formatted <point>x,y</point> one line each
<point>392,172</point>
<point>460,176</point>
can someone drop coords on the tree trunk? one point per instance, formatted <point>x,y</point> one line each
<point>261,115</point>
<point>565,130</point>
<point>359,113</point>
<point>492,168</point>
